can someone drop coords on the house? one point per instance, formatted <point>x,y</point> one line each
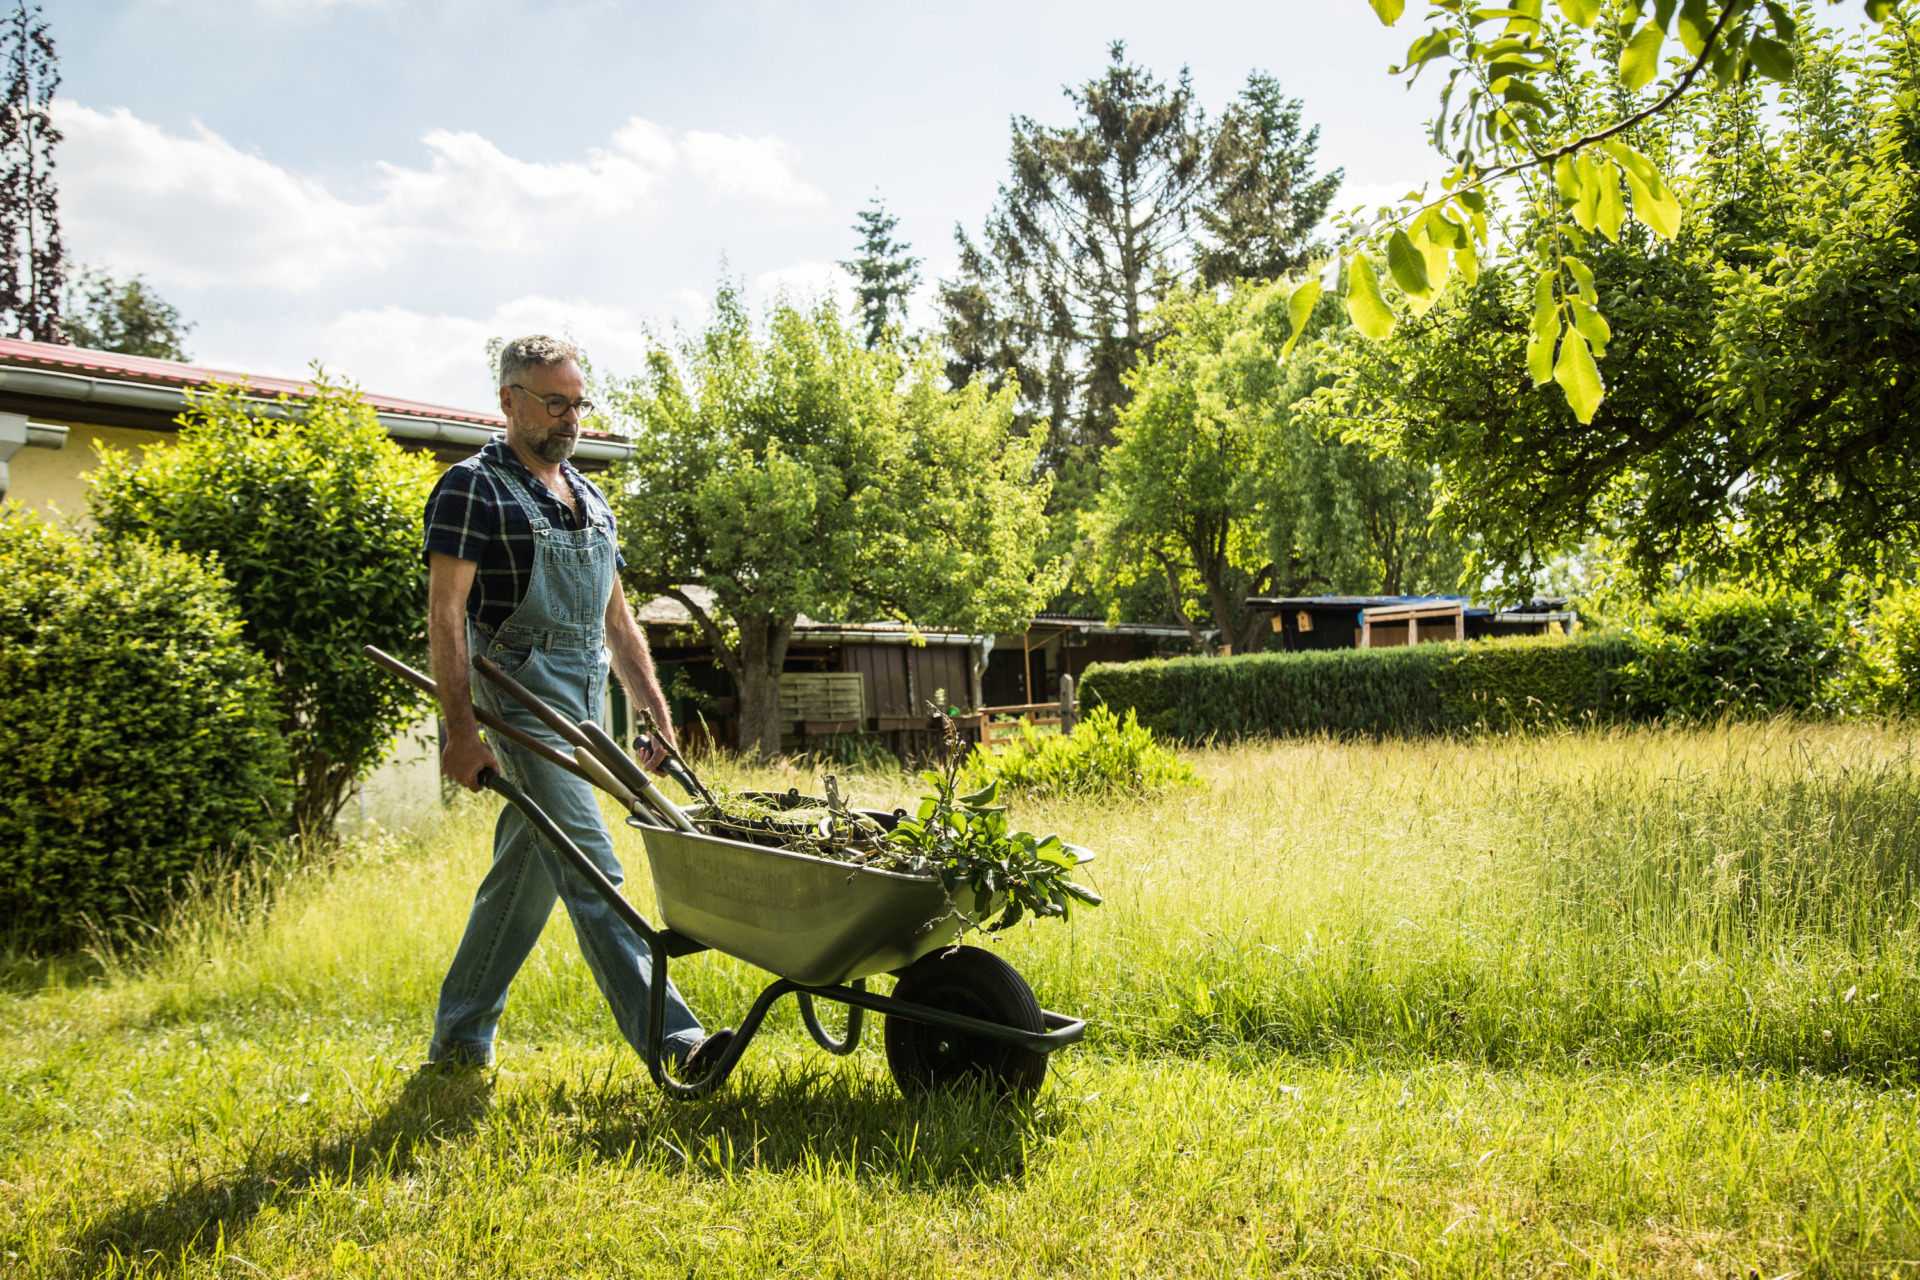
<point>1375,622</point>
<point>56,401</point>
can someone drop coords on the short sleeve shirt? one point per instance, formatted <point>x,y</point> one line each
<point>472,515</point>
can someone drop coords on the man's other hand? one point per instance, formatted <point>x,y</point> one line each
<point>465,758</point>
<point>655,757</point>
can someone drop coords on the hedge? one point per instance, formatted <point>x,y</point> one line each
<point>139,734</point>
<point>1417,689</point>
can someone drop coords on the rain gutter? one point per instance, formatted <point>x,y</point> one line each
<point>82,389</point>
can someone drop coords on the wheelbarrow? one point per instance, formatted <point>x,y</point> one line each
<point>957,1015</point>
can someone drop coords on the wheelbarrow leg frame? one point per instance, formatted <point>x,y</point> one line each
<point>665,944</point>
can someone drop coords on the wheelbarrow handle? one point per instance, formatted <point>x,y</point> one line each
<point>421,682</point>
<point>589,738</point>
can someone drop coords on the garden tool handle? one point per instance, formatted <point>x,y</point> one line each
<point>672,768</point>
<point>493,723</point>
<point>629,771</point>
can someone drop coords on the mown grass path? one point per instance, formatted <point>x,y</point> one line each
<point>1627,1004</point>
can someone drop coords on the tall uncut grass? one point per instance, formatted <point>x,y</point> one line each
<point>1636,1002</point>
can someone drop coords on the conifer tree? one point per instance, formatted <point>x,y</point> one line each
<point>884,273</point>
<point>32,259</point>
<point>1266,200</point>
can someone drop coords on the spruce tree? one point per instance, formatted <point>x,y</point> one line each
<point>884,273</point>
<point>1094,222</point>
<point>1266,200</point>
<point>32,260</point>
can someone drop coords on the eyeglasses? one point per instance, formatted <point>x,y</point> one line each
<point>557,406</point>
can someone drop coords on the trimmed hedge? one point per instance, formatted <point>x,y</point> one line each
<point>139,733</point>
<point>1418,689</point>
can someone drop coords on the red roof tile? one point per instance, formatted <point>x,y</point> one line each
<point>19,353</point>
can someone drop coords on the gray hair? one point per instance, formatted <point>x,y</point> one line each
<point>543,349</point>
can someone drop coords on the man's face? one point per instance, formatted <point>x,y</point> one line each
<point>529,425</point>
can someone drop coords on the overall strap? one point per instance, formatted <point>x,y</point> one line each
<point>541,525</point>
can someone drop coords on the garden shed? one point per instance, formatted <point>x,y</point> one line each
<point>1377,622</point>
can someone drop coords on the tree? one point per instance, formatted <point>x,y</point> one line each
<point>1761,410</point>
<point>1506,118</point>
<point>884,273</point>
<point>1266,201</point>
<point>1094,222</point>
<point>314,515</point>
<point>32,259</point>
<point>793,471</point>
<point>104,314</point>
<point>1217,486</point>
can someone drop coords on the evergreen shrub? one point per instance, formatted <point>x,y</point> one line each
<point>1409,689</point>
<point>1713,651</point>
<point>139,733</point>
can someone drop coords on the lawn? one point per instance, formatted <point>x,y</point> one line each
<point>1596,1003</point>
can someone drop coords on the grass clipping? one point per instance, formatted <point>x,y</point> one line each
<point>964,840</point>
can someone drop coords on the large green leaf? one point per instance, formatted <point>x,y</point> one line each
<point>1653,201</point>
<point>1366,305</point>
<point>1580,13</point>
<point>1546,329</point>
<point>1612,209</point>
<point>1579,376</point>
<point>1389,11</point>
<point>1299,311</point>
<point>1695,25</point>
<point>1640,60</point>
<point>1408,265</point>
<point>1771,58</point>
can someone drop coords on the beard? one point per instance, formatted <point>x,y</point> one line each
<point>554,447</point>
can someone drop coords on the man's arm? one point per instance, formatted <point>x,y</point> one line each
<point>633,664</point>
<point>449,579</point>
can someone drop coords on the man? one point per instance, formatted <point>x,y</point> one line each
<point>522,559</point>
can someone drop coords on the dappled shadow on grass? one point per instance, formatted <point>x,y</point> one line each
<point>792,1118</point>
<point>809,1116</point>
<point>199,1215</point>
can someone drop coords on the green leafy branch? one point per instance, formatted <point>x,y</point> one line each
<point>1506,125</point>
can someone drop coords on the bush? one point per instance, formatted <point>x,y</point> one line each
<point>138,730</point>
<point>1885,676</point>
<point>1416,689</point>
<point>1102,756</point>
<point>316,520</point>
<point>1706,652</point>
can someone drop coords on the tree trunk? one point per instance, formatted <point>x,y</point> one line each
<point>763,651</point>
<point>754,665</point>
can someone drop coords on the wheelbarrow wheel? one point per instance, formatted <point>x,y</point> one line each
<point>978,984</point>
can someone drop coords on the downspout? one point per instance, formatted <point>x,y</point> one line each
<point>16,433</point>
<point>980,648</point>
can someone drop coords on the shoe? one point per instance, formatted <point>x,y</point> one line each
<point>698,1063</point>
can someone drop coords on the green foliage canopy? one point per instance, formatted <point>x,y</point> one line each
<point>1218,486</point>
<point>1505,115</point>
<point>139,732</point>
<point>1760,417</point>
<point>315,517</point>
<point>794,471</point>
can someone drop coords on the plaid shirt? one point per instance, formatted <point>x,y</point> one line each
<point>473,516</point>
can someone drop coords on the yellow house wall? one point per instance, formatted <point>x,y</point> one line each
<point>52,482</point>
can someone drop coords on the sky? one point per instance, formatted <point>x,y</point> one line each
<point>384,185</point>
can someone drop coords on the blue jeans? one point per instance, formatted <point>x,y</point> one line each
<point>518,893</point>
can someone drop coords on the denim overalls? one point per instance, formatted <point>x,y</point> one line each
<point>555,644</point>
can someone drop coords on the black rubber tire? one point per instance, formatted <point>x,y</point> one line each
<point>979,984</point>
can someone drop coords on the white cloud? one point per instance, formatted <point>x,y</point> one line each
<point>803,283</point>
<point>197,210</point>
<point>742,168</point>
